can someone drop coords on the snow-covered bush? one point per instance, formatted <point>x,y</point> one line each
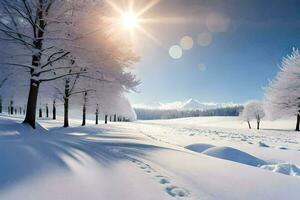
<point>282,97</point>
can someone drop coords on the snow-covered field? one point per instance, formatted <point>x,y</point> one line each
<point>192,158</point>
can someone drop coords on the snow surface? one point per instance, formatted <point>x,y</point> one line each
<point>147,160</point>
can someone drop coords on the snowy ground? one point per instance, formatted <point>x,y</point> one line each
<point>193,158</point>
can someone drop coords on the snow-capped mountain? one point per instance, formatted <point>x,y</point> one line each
<point>193,104</point>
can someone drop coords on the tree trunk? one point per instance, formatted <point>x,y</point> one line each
<point>106,119</point>
<point>84,108</point>
<point>97,119</point>
<point>115,118</point>
<point>110,118</point>
<point>66,103</point>
<point>258,121</point>
<point>20,110</point>
<point>11,107</point>
<point>83,115</point>
<point>0,104</point>
<point>40,113</point>
<point>53,110</point>
<point>249,125</point>
<point>47,111</point>
<point>97,115</point>
<point>31,104</point>
<point>36,59</point>
<point>66,112</point>
<point>298,123</point>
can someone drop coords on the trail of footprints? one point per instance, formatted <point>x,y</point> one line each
<point>171,189</point>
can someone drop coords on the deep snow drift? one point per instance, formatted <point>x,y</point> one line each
<point>148,160</point>
<point>235,155</point>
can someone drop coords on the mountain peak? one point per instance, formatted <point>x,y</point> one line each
<point>193,104</point>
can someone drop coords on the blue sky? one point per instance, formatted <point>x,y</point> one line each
<point>239,62</point>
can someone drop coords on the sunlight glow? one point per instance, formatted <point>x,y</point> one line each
<point>129,20</point>
<point>133,20</point>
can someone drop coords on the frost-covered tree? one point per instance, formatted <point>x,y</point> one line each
<point>246,116</point>
<point>282,97</point>
<point>107,59</point>
<point>259,113</point>
<point>66,87</point>
<point>253,110</point>
<point>93,85</point>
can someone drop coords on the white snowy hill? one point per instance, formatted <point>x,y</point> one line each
<point>188,159</point>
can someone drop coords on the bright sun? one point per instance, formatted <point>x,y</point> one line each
<point>129,20</point>
<point>134,20</point>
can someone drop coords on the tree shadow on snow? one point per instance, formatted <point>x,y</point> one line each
<point>28,152</point>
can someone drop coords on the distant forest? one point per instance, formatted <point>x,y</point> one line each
<point>151,114</point>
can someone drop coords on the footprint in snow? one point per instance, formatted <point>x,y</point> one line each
<point>176,191</point>
<point>164,181</point>
<point>283,148</point>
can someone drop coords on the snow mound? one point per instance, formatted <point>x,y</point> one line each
<point>234,155</point>
<point>283,168</point>
<point>199,147</point>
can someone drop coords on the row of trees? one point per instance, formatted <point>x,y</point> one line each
<point>48,113</point>
<point>282,96</point>
<point>63,50</point>
<point>149,114</point>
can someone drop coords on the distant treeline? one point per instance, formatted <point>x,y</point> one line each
<point>151,114</point>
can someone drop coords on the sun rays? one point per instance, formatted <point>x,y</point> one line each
<point>134,21</point>
<point>130,20</point>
